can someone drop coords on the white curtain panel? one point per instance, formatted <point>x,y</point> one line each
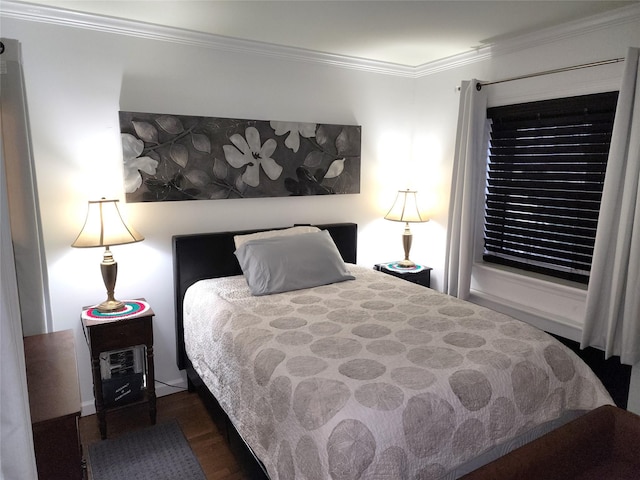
<point>26,229</point>
<point>17,458</point>
<point>612,318</point>
<point>467,192</point>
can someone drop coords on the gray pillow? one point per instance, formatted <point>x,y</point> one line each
<point>281,264</point>
<point>297,230</point>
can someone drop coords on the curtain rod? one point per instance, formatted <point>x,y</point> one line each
<point>479,85</point>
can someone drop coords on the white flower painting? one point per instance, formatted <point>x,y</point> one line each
<point>178,157</point>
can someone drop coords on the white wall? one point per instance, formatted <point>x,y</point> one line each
<point>78,79</point>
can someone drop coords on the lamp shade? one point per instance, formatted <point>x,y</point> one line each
<point>405,208</point>
<point>105,227</point>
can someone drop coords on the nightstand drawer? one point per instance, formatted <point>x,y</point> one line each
<point>112,336</point>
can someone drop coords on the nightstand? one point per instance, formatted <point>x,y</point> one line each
<point>121,349</point>
<point>420,274</point>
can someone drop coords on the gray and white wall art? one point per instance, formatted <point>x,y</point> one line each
<point>179,157</point>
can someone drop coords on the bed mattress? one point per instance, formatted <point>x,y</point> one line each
<point>377,377</point>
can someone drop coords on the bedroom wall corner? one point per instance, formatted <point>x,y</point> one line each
<point>75,91</point>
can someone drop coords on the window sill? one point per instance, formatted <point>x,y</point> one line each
<point>554,307</point>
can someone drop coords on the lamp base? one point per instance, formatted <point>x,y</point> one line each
<point>407,237</point>
<point>405,264</point>
<point>109,269</point>
<point>109,306</point>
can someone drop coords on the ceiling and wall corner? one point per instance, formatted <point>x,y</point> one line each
<point>426,36</point>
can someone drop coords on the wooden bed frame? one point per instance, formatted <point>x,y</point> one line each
<point>210,255</point>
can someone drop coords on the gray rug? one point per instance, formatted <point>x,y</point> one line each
<point>160,452</point>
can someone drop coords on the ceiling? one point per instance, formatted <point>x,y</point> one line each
<point>410,33</point>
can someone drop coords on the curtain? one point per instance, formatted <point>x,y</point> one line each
<point>612,317</point>
<point>465,206</point>
<point>20,250</point>
<point>16,443</point>
<point>26,229</point>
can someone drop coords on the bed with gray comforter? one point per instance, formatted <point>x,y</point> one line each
<point>378,378</point>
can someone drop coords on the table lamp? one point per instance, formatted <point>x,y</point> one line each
<point>405,209</point>
<point>104,227</point>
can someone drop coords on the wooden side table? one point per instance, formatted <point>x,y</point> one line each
<point>119,331</point>
<point>420,275</point>
<point>54,402</point>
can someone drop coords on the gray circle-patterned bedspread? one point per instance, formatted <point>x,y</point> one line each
<point>375,378</point>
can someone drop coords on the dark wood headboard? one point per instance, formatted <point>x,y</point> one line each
<point>210,255</point>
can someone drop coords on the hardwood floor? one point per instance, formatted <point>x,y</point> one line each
<point>207,443</point>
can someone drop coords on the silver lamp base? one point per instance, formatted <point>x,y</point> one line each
<point>407,238</point>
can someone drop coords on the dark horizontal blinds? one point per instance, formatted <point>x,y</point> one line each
<point>546,168</point>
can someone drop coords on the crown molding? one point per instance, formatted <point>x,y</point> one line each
<point>105,24</point>
<point>618,17</point>
<point>57,16</point>
<point>614,18</point>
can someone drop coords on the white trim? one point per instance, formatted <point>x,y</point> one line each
<point>561,312</point>
<point>455,61</point>
<point>569,292</point>
<point>568,30</point>
<point>58,16</point>
<point>564,327</point>
<point>105,24</point>
<point>569,85</point>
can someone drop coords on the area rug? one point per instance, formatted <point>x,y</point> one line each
<point>160,452</point>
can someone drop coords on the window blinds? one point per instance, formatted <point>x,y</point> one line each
<point>546,167</point>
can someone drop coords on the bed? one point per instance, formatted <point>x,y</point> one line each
<point>366,377</point>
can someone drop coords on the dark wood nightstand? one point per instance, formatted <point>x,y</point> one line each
<point>420,275</point>
<point>118,370</point>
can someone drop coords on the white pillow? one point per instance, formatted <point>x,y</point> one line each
<point>282,264</point>
<point>240,239</point>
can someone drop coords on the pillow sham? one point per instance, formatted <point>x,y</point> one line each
<point>281,264</point>
<point>239,240</point>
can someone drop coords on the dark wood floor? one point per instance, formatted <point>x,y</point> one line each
<point>206,441</point>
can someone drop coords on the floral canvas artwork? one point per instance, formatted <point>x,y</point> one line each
<point>179,157</point>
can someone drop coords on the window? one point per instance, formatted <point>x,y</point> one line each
<point>546,167</point>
